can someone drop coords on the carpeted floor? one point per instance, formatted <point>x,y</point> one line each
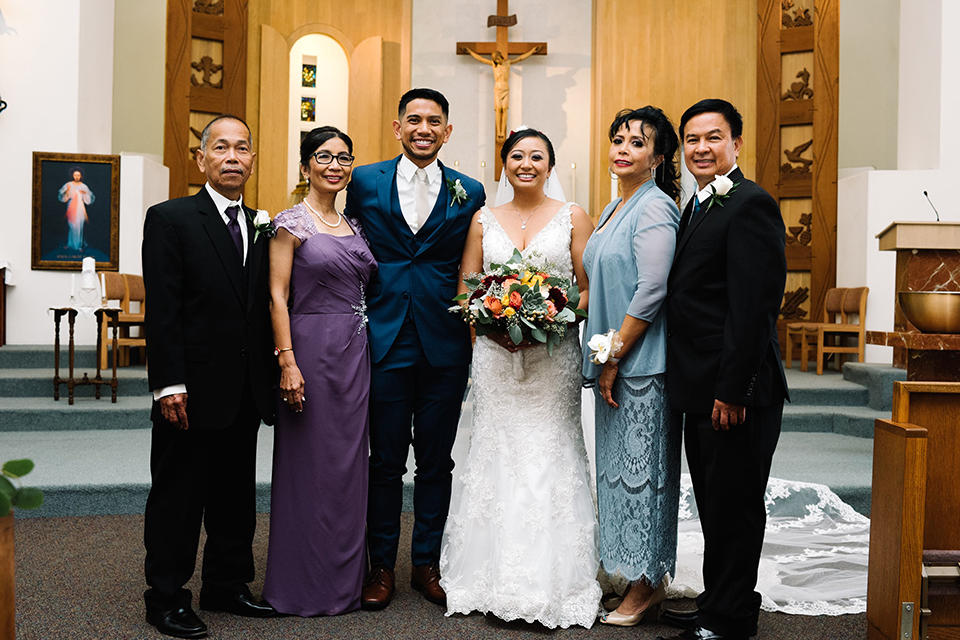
<point>82,578</point>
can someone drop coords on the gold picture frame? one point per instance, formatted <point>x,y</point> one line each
<point>76,211</point>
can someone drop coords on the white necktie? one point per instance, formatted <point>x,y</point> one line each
<point>422,198</point>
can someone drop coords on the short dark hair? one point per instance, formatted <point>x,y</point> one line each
<point>74,170</point>
<point>665,143</point>
<point>316,137</point>
<point>424,94</point>
<point>517,136</point>
<point>715,105</point>
<point>205,135</point>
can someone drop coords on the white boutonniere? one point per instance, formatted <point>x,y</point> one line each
<point>458,195</point>
<point>603,346</point>
<point>720,189</point>
<point>262,225</point>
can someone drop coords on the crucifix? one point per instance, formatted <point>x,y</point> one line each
<point>499,53</point>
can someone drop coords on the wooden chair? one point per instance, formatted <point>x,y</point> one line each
<point>124,288</point>
<point>838,307</point>
<point>915,504</point>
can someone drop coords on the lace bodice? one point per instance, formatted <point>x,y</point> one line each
<point>298,221</point>
<point>550,247</point>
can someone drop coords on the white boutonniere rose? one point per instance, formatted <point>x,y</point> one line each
<point>603,346</point>
<point>262,225</point>
<point>458,195</point>
<point>720,190</point>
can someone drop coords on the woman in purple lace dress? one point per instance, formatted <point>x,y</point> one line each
<point>319,268</point>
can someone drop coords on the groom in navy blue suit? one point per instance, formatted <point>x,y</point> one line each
<point>415,213</point>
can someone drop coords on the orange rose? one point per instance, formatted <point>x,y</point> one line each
<point>515,299</point>
<point>551,309</point>
<point>493,304</point>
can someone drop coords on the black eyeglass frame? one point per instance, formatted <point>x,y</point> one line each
<point>340,157</point>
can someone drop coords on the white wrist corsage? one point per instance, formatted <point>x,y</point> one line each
<point>604,346</point>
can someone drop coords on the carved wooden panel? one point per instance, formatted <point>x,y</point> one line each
<point>206,76</point>
<point>797,112</point>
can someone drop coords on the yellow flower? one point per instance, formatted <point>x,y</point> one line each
<point>505,300</point>
<point>509,311</point>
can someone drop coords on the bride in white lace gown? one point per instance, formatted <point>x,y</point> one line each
<point>520,540</point>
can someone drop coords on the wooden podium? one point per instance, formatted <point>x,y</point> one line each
<point>915,511</point>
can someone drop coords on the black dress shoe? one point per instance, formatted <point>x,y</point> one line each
<point>679,619</point>
<point>699,633</point>
<point>239,604</point>
<point>179,623</point>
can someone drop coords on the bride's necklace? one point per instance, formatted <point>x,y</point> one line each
<point>523,223</point>
<point>320,217</point>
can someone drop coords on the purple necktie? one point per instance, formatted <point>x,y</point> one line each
<point>232,212</point>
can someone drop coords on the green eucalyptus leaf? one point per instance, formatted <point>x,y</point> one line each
<point>580,312</point>
<point>28,498</point>
<point>462,296</point>
<point>472,282</point>
<point>5,504</point>
<point>550,348</point>
<point>537,334</point>
<point>516,335</point>
<point>517,257</point>
<point>527,322</point>
<point>17,468</point>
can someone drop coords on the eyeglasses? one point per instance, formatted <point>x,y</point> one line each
<point>344,160</point>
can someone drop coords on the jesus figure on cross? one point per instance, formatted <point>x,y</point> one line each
<point>501,84</point>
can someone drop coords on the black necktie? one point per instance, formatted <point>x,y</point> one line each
<point>234,226</point>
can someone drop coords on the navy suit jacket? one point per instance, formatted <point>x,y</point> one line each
<point>417,275</point>
<point>723,298</point>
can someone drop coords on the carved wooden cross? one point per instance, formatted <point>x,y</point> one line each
<point>500,52</point>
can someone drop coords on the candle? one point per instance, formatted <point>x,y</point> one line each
<point>103,286</point>
<point>483,172</point>
<point>613,187</point>
<point>573,182</point>
<point>456,164</point>
<point>73,285</point>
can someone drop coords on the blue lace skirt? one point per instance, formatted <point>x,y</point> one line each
<point>638,480</point>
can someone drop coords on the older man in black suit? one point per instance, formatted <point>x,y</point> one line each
<point>723,363</point>
<point>212,369</point>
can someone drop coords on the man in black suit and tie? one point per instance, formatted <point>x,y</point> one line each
<point>723,363</point>
<point>212,370</point>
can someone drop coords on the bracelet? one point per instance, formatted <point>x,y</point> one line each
<point>613,360</point>
<point>277,352</point>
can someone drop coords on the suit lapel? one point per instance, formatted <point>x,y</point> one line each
<point>221,240</point>
<point>385,199</point>
<point>254,256</point>
<point>686,228</point>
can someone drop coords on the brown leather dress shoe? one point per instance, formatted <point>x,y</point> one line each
<point>377,589</point>
<point>426,578</point>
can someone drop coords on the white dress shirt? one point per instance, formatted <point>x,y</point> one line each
<point>221,202</point>
<point>406,189</point>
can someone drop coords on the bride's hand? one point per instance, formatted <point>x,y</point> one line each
<point>504,341</point>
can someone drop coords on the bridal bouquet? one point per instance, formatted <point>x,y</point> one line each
<point>520,299</point>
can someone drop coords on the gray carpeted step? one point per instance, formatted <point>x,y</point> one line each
<point>848,421</point>
<point>877,379</point>
<point>19,356</point>
<point>38,383</point>
<point>46,414</point>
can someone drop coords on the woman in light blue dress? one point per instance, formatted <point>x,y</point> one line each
<point>627,261</point>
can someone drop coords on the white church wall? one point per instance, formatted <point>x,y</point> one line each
<point>63,54</point>
<point>551,92</point>
<point>869,55</point>
<point>918,130</point>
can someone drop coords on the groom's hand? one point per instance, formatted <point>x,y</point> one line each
<point>726,415</point>
<point>174,410</point>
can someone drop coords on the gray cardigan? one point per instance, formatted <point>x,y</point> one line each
<point>627,263</point>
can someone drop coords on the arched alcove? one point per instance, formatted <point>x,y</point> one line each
<point>319,93</point>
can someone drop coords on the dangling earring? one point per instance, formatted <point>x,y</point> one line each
<point>613,176</point>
